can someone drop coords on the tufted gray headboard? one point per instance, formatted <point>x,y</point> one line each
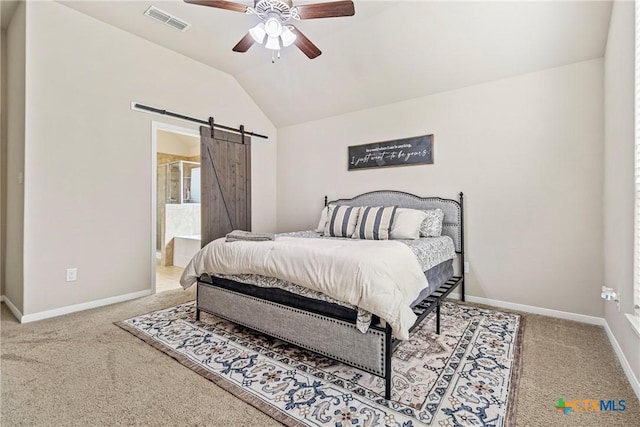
<point>452,224</point>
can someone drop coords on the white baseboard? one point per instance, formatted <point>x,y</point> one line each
<point>11,307</point>
<point>84,306</point>
<point>593,320</point>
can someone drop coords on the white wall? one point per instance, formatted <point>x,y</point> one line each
<point>619,176</point>
<point>16,39</point>
<point>527,152</point>
<point>88,155</point>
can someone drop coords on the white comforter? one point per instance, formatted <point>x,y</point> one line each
<point>382,277</point>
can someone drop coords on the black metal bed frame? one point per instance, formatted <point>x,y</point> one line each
<point>427,305</point>
<point>422,309</point>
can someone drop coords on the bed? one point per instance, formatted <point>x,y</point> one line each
<point>359,327</point>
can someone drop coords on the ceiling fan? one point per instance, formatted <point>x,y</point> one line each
<point>274,30</point>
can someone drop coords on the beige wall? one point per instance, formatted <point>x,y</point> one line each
<point>527,152</point>
<point>178,144</point>
<point>16,55</point>
<point>3,152</point>
<point>88,155</point>
<point>619,176</point>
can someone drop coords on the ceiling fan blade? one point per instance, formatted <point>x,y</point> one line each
<point>244,44</point>
<point>221,4</point>
<point>326,10</point>
<point>305,45</point>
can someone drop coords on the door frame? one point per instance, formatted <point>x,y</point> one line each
<point>155,127</point>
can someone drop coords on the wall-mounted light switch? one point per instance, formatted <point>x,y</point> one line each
<point>466,268</point>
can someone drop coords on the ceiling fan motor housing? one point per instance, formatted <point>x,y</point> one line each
<point>266,9</point>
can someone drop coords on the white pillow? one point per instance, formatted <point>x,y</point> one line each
<point>341,221</point>
<point>406,223</point>
<point>323,219</point>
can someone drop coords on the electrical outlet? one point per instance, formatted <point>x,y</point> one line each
<point>466,268</point>
<point>72,274</point>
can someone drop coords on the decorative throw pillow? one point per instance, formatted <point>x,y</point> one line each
<point>323,219</point>
<point>406,223</point>
<point>374,223</point>
<point>341,221</point>
<point>432,226</point>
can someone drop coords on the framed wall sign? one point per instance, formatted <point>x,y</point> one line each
<point>400,152</point>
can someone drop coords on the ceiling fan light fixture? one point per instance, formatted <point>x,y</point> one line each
<point>258,33</point>
<point>287,36</point>
<point>272,43</point>
<point>273,26</point>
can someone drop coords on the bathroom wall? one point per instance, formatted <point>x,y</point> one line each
<point>161,199</point>
<point>180,220</point>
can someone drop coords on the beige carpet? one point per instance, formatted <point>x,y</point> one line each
<point>80,370</point>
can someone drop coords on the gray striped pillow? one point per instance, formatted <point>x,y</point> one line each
<point>374,223</point>
<point>341,221</point>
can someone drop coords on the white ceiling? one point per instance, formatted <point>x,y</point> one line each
<point>388,52</point>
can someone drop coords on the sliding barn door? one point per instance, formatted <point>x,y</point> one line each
<point>226,183</point>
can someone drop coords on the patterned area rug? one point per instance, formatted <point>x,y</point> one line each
<point>466,376</point>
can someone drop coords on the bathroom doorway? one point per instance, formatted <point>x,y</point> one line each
<point>176,202</point>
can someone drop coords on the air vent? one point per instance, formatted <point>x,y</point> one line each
<point>167,18</point>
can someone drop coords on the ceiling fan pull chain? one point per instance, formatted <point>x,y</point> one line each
<point>273,57</point>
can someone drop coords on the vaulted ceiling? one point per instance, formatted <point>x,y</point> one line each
<point>389,51</point>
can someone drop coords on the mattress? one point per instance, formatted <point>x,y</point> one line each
<point>429,253</point>
<point>436,276</point>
